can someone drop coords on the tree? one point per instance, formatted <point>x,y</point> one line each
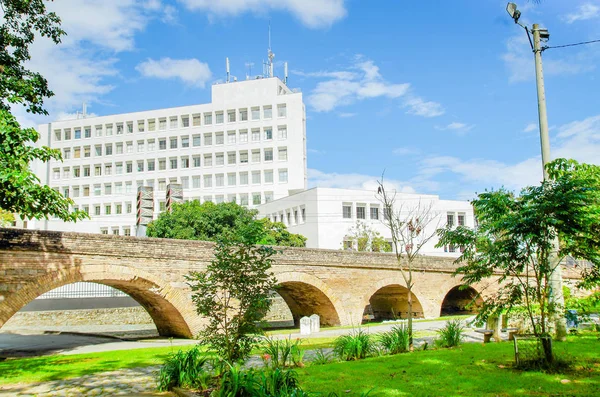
<point>20,189</point>
<point>411,227</point>
<point>365,238</point>
<point>221,222</point>
<point>277,234</point>
<point>514,240</point>
<point>234,295</point>
<point>6,218</point>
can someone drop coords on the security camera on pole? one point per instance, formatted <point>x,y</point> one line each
<point>540,35</point>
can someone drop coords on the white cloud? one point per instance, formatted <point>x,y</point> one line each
<point>518,59</point>
<point>190,71</point>
<point>347,115</point>
<point>584,12</point>
<point>419,107</point>
<point>363,81</point>
<point>312,13</point>
<point>71,116</point>
<point>458,128</point>
<point>318,178</point>
<point>530,127</point>
<point>579,140</point>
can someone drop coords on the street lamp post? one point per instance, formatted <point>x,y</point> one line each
<point>556,294</point>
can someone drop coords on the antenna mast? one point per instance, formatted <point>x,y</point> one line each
<point>227,68</point>
<point>270,54</point>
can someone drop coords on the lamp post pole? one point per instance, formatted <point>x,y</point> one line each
<point>556,293</point>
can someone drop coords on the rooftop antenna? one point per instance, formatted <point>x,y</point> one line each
<point>270,54</point>
<point>227,68</point>
<point>249,67</point>
<point>285,73</point>
<point>84,111</point>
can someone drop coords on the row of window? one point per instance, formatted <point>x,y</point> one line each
<point>195,182</point>
<point>115,230</point>
<point>450,219</point>
<point>173,122</point>
<point>290,217</point>
<point>172,163</point>
<point>361,211</point>
<point>183,142</point>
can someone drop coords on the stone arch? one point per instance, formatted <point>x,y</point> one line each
<point>306,295</point>
<point>167,306</point>
<point>388,300</point>
<point>461,299</point>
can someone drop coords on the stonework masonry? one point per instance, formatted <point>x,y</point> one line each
<point>339,286</point>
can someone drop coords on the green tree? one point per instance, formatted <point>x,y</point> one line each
<point>6,218</point>
<point>234,295</point>
<point>20,189</point>
<point>514,239</point>
<point>365,238</point>
<point>276,233</point>
<point>221,222</point>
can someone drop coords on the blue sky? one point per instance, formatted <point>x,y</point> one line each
<point>439,94</point>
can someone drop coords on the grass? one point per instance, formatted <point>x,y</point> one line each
<point>470,370</point>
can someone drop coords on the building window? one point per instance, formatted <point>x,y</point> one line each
<point>231,116</point>
<point>107,169</point>
<point>56,174</point>
<point>108,189</point>
<point>185,182</point>
<point>231,137</point>
<point>119,168</point>
<point>268,133</point>
<point>129,147</point>
<point>173,164</point>
<point>196,182</point>
<point>98,150</point>
<point>207,118</point>
<point>185,120</point>
<point>243,178</point>
<point>268,154</point>
<point>361,212</point>
<point>152,125</point>
<point>231,179</point>
<point>244,157</point>
<point>77,133</point>
<point>129,127</point>
<point>86,151</point>
<point>243,136</point>
<point>219,180</point>
<point>77,153</point>
<point>162,185</point>
<point>97,170</point>
<point>129,167</point>
<point>128,187</point>
<point>87,132</point>
<point>128,208</point>
<point>207,180</point>
<point>126,231</point>
<point>219,159</point>
<point>173,143</point>
<point>375,213</point>
<point>67,154</point>
<point>256,198</point>
<point>66,172</point>
<point>219,118</point>
<point>109,129</point>
<point>140,166</point>
<point>162,124</point>
<point>140,146</point>
<point>108,210</point>
<point>115,230</point>
<point>119,148</point>
<point>151,145</point>
<point>282,133</point>
<point>185,141</point>
<point>162,144</point>
<point>173,122</point>
<point>256,113</point>
<point>450,219</point>
<point>86,171</point>
<point>268,197</point>
<point>255,177</point>
<point>196,160</point>
<point>119,188</point>
<point>255,135</point>
<point>196,140</point>
<point>267,112</point>
<point>256,156</point>
<point>283,176</point>
<point>141,125</point>
<point>219,140</point>
<point>268,176</point>
<point>281,110</point>
<point>347,211</point>
<point>185,162</point>
<point>243,199</point>
<point>303,212</point>
<point>231,158</point>
<point>76,172</point>
<point>282,155</point>
<point>162,164</point>
<point>208,139</point>
<point>208,160</point>
<point>461,219</point>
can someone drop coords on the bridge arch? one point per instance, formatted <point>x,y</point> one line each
<point>306,295</point>
<point>388,299</point>
<point>461,299</point>
<point>167,306</point>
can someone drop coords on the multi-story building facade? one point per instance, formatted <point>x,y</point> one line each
<point>248,145</point>
<point>325,216</point>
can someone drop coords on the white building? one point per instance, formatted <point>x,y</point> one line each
<point>325,215</point>
<point>248,145</point>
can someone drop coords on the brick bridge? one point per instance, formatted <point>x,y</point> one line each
<point>338,285</point>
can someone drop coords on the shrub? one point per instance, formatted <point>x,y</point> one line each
<point>281,353</point>
<point>452,334</point>
<point>268,383</point>
<point>184,369</point>
<point>321,357</point>
<point>396,340</point>
<point>354,346</point>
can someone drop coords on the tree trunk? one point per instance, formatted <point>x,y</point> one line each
<point>547,346</point>
<point>410,322</point>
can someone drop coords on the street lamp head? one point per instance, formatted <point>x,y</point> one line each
<point>515,14</point>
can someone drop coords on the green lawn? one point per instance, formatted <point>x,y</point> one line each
<point>471,370</point>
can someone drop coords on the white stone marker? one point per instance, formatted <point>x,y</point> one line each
<point>305,326</point>
<point>315,323</point>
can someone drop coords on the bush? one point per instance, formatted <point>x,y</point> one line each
<point>354,346</point>
<point>451,335</point>
<point>281,353</point>
<point>321,357</point>
<point>251,383</point>
<point>184,369</point>
<point>396,340</point>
